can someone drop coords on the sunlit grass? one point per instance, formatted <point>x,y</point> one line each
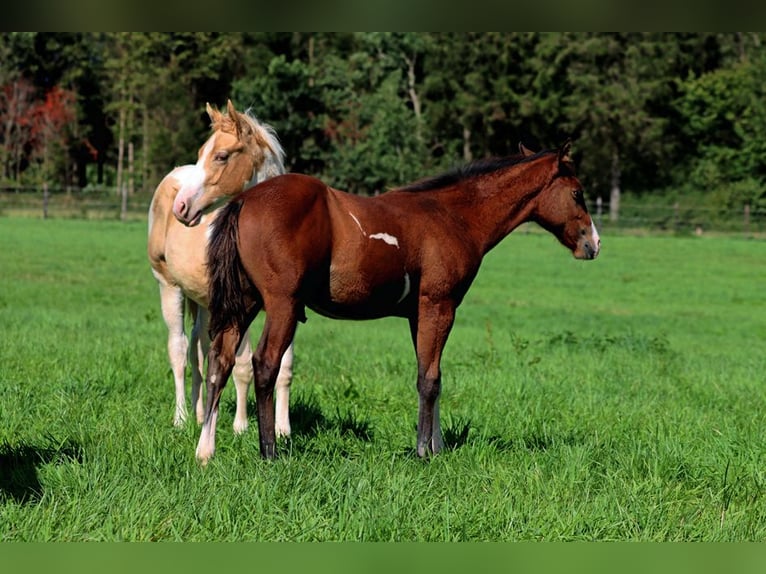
<point>619,399</point>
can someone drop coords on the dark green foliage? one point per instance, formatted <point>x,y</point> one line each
<point>366,111</point>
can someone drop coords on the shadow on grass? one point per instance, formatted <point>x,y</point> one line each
<point>454,435</point>
<point>19,466</point>
<point>308,421</point>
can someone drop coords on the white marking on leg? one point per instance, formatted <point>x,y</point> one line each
<point>390,239</point>
<point>406,288</point>
<point>242,373</point>
<point>357,222</point>
<point>284,380</point>
<point>206,445</point>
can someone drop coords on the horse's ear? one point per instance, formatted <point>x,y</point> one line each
<point>231,111</point>
<point>565,152</point>
<point>525,151</point>
<point>241,125</point>
<point>212,113</point>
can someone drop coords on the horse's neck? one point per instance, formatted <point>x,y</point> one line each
<point>501,204</point>
<point>271,167</point>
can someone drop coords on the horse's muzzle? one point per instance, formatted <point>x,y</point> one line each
<point>183,213</point>
<point>589,245</point>
<point>588,249</point>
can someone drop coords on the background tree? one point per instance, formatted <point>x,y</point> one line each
<point>650,113</point>
<point>724,119</point>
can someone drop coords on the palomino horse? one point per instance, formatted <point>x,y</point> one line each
<point>293,242</point>
<point>240,152</point>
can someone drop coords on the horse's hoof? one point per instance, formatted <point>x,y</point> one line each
<point>204,455</point>
<point>240,426</point>
<point>282,432</point>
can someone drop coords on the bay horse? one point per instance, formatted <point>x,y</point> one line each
<point>293,242</point>
<point>240,152</point>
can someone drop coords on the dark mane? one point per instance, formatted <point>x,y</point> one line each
<point>469,170</point>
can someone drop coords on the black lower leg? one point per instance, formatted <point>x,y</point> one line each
<point>428,391</point>
<point>264,398</point>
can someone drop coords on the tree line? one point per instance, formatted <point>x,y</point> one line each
<point>649,113</point>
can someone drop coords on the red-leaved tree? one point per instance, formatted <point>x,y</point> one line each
<point>50,128</point>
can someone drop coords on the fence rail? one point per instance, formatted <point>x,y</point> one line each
<point>101,203</point>
<point>107,203</point>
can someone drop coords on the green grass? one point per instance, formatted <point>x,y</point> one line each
<point>620,399</point>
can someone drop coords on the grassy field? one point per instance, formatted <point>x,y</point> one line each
<point>620,399</point>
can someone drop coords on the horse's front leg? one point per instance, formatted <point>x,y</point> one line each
<point>219,366</point>
<point>278,332</point>
<point>172,304</point>
<point>429,331</point>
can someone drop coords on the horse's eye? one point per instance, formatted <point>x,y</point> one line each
<point>221,156</point>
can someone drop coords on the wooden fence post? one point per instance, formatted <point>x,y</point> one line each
<point>599,209</point>
<point>46,197</point>
<point>124,202</point>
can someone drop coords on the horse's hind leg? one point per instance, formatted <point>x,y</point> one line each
<point>242,372</point>
<point>172,303</point>
<point>220,364</point>
<point>284,380</point>
<point>242,375</point>
<point>278,332</point>
<point>198,349</point>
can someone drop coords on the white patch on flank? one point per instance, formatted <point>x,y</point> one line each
<point>390,239</point>
<point>357,222</point>
<point>406,288</point>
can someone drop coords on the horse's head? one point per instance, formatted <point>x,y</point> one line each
<point>560,208</point>
<point>240,152</point>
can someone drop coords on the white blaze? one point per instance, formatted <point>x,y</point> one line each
<point>596,238</point>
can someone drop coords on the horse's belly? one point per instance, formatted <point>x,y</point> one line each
<point>186,265</point>
<point>356,294</point>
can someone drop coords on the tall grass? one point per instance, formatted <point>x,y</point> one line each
<point>620,399</point>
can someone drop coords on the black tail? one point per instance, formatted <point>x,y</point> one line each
<point>229,283</point>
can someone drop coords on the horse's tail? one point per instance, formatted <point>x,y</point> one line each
<point>228,281</point>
